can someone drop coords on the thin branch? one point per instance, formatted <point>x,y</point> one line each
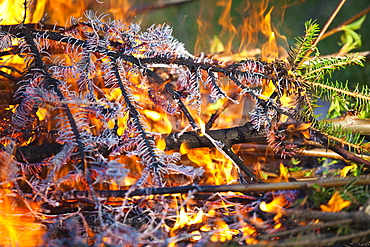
<point>342,152</point>
<point>327,24</point>
<point>358,218</point>
<point>350,20</point>
<point>244,188</point>
<point>240,163</point>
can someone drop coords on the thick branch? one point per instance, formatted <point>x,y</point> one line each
<point>229,137</point>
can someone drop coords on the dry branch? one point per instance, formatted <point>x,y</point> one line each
<point>248,188</point>
<point>228,137</point>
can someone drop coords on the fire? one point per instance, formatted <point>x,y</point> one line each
<point>275,206</point>
<point>185,219</point>
<point>270,50</point>
<point>226,22</point>
<point>16,227</point>
<point>12,12</point>
<point>8,9</point>
<point>335,204</point>
<point>283,173</point>
<point>223,232</point>
<point>201,220</point>
<point>218,170</point>
<point>161,123</point>
<point>255,36</point>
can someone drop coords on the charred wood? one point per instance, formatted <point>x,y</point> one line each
<point>228,137</point>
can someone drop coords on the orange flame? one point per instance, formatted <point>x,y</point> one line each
<point>16,228</point>
<point>256,34</point>
<point>226,22</point>
<point>335,204</point>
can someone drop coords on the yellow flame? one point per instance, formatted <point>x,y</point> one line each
<point>197,236</point>
<point>41,113</point>
<point>161,144</point>
<point>18,230</point>
<point>114,94</point>
<point>161,122</point>
<point>122,124</point>
<point>11,12</point>
<point>111,123</point>
<point>153,115</point>
<point>184,148</point>
<point>205,228</point>
<point>185,219</point>
<point>248,231</point>
<point>274,206</point>
<point>270,49</point>
<point>283,173</point>
<point>268,89</point>
<point>223,232</point>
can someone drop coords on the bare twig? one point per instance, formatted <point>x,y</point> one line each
<point>350,20</point>
<point>323,30</point>
<point>326,183</point>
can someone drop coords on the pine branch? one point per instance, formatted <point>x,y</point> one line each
<point>329,90</point>
<point>318,67</point>
<point>154,163</point>
<point>342,152</point>
<point>249,76</point>
<point>305,44</point>
<point>53,83</point>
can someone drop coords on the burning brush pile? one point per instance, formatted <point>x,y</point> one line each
<point>117,136</point>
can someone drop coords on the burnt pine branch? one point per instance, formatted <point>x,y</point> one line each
<point>152,160</point>
<point>157,46</point>
<point>54,84</point>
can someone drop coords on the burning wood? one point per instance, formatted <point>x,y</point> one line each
<point>117,136</point>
